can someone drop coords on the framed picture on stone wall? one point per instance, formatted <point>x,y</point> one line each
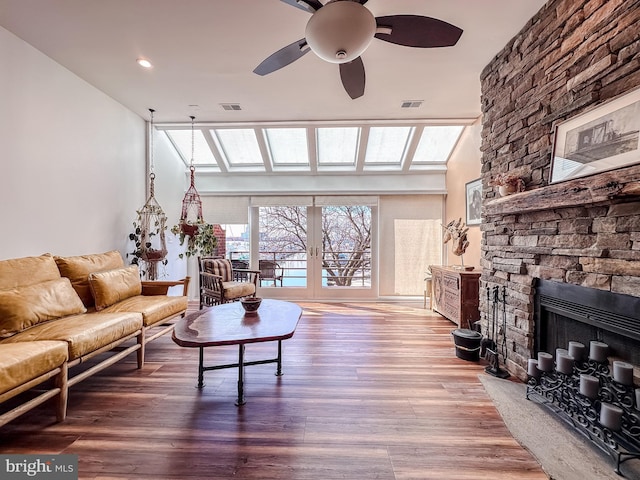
<point>604,138</point>
<point>474,201</point>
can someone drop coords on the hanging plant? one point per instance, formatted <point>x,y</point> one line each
<point>149,227</point>
<point>192,228</point>
<point>143,254</point>
<point>189,229</point>
<point>202,243</point>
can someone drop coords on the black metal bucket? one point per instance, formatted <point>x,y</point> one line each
<point>467,344</point>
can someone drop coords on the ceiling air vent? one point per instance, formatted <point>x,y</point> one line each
<point>411,103</point>
<point>231,106</point>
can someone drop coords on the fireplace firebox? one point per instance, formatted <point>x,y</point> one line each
<point>566,312</point>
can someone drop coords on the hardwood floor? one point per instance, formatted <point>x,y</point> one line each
<point>370,391</point>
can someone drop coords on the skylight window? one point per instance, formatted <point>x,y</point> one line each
<point>311,147</point>
<point>239,146</point>
<point>436,143</point>
<point>288,146</point>
<point>387,145</point>
<point>338,146</point>
<point>181,140</point>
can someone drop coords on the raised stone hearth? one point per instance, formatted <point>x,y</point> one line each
<point>572,56</point>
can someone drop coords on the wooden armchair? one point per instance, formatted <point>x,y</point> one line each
<point>221,283</point>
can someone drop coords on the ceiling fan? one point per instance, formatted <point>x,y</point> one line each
<point>341,30</point>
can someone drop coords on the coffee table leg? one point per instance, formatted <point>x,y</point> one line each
<point>279,360</point>
<point>201,369</point>
<point>240,400</point>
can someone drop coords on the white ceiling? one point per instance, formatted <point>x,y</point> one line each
<point>204,52</point>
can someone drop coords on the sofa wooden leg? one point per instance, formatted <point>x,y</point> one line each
<point>140,351</point>
<point>61,383</point>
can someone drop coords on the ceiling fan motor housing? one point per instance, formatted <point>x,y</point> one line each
<point>340,31</point>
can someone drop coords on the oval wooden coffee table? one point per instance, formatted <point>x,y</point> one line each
<point>228,324</point>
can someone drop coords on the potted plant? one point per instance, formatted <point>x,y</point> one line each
<point>189,229</point>
<point>145,256</point>
<point>508,183</point>
<point>200,238</point>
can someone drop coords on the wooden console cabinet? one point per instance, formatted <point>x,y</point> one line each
<point>455,294</point>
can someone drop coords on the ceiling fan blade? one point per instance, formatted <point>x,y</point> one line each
<point>418,31</point>
<point>282,57</point>
<point>353,77</point>
<point>306,5</point>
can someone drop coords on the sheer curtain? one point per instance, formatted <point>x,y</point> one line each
<point>410,241</point>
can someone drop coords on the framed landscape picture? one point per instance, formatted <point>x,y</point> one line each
<point>601,139</point>
<point>473,191</point>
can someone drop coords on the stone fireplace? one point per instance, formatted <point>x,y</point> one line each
<point>572,56</point>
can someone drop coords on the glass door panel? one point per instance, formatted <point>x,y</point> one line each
<point>316,252</point>
<point>282,247</point>
<point>346,247</point>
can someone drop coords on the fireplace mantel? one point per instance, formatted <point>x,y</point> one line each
<point>595,189</point>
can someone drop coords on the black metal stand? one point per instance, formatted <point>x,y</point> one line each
<point>560,393</point>
<point>493,344</point>
<point>494,365</point>
<point>241,364</point>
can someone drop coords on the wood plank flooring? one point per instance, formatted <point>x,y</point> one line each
<point>370,391</point>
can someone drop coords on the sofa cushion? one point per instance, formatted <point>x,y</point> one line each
<point>113,286</point>
<point>83,333</point>
<point>18,272</point>
<point>153,308</point>
<point>23,307</point>
<point>233,290</point>
<point>78,268</point>
<point>218,266</point>
<point>22,362</point>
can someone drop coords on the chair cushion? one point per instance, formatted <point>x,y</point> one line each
<point>233,290</point>
<point>23,307</point>
<point>112,286</point>
<point>83,333</point>
<point>22,362</point>
<point>78,268</point>
<point>153,308</point>
<point>17,272</point>
<point>218,266</point>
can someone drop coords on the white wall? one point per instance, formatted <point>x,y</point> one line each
<point>464,166</point>
<point>72,159</point>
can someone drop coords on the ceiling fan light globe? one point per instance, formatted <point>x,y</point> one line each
<point>340,31</point>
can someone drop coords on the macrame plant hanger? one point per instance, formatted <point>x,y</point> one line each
<point>152,220</point>
<point>191,216</point>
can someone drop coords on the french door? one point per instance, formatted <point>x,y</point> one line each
<point>324,251</point>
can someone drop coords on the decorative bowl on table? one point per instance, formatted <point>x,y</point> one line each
<point>251,304</point>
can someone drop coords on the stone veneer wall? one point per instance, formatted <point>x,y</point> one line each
<point>572,56</point>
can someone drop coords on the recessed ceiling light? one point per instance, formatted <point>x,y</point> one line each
<point>143,62</point>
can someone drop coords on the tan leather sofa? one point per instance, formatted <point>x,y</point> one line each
<point>88,304</point>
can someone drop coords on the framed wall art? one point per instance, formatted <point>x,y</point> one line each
<point>604,138</point>
<point>473,191</point>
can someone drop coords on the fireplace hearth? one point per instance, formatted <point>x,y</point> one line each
<point>600,402</point>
